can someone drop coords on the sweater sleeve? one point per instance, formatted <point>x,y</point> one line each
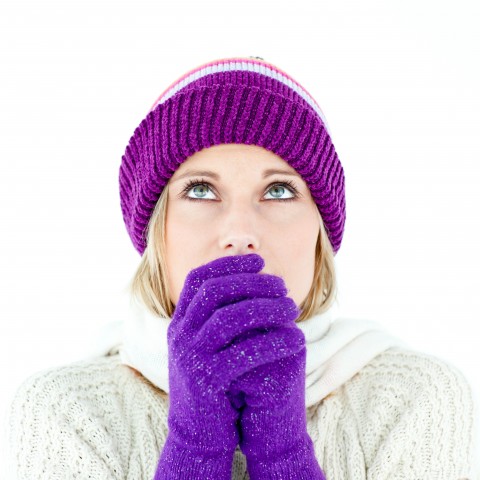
<point>95,419</point>
<point>415,419</point>
<point>53,434</point>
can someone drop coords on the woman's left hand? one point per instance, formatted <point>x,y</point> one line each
<point>273,423</point>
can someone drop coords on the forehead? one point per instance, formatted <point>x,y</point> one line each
<point>234,161</point>
<point>233,155</point>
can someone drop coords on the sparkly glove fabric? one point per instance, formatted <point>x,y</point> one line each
<point>273,424</point>
<point>216,335</point>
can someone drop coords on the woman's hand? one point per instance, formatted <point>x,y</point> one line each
<point>216,335</point>
<point>273,420</point>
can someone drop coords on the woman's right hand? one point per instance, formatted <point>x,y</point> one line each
<point>219,332</point>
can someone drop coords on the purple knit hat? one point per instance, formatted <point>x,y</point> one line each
<point>233,100</point>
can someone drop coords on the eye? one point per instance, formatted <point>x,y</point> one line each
<point>201,188</point>
<point>198,188</point>
<point>279,189</point>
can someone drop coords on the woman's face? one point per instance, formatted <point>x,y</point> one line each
<point>237,208</point>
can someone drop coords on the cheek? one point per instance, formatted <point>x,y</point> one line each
<point>298,250</point>
<point>179,241</point>
<point>303,232</point>
<point>181,224</point>
<point>186,218</point>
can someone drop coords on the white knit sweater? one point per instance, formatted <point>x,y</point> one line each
<point>405,415</point>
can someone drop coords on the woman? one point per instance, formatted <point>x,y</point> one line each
<point>233,362</point>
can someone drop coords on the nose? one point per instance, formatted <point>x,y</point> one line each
<point>239,235</point>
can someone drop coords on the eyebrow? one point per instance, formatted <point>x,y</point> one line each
<point>208,173</point>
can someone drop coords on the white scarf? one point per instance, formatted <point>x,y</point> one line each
<point>337,347</point>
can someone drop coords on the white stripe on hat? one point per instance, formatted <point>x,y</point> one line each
<point>248,66</point>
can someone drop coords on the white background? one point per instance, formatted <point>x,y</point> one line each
<point>397,81</point>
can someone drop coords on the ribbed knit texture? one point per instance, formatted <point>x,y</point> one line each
<point>230,104</point>
<point>404,416</point>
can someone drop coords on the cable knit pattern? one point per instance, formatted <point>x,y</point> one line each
<point>405,415</point>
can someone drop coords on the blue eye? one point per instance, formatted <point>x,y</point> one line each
<point>279,188</point>
<point>199,188</point>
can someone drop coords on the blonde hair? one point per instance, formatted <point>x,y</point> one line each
<point>150,281</point>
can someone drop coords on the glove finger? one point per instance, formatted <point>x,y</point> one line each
<point>273,383</point>
<point>219,267</point>
<point>248,354</point>
<point>231,321</point>
<point>215,293</point>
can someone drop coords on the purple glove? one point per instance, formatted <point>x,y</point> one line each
<point>223,304</point>
<point>274,436</point>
